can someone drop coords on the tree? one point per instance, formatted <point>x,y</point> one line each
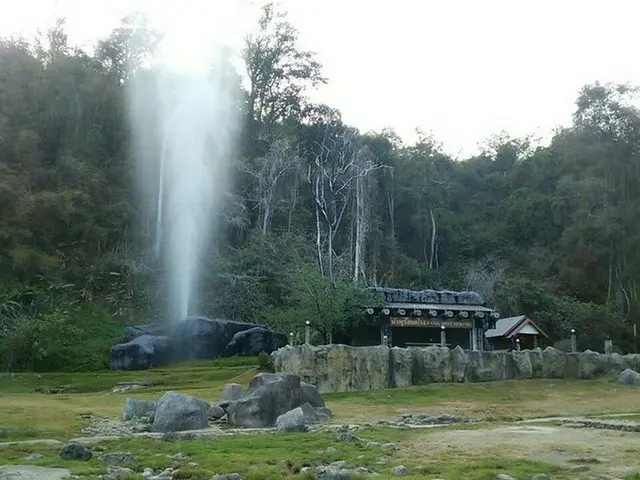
<point>270,174</point>
<point>277,70</point>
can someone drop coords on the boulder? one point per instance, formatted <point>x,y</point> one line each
<point>297,420</point>
<point>116,458</point>
<point>137,409</point>
<point>311,395</point>
<point>29,472</point>
<point>75,451</point>
<point>231,392</point>
<point>216,412</point>
<point>190,339</point>
<point>152,329</point>
<point>629,378</point>
<point>403,295</point>
<point>177,412</point>
<point>254,341</point>
<point>200,338</point>
<point>263,379</point>
<point>265,404</point>
<point>142,353</point>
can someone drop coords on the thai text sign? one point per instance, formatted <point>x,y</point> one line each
<point>429,322</point>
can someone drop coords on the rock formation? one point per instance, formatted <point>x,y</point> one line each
<point>271,395</point>
<point>144,346</point>
<point>176,412</point>
<point>271,399</point>
<point>629,378</point>
<point>340,368</point>
<point>403,295</point>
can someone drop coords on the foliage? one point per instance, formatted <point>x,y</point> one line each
<point>316,212</point>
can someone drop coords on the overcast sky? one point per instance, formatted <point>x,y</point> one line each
<point>462,69</point>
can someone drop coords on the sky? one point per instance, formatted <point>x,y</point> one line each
<point>460,69</point>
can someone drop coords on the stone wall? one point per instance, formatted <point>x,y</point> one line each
<point>343,368</point>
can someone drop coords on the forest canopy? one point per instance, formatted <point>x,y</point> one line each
<point>317,211</point>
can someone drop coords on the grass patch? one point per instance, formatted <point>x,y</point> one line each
<point>270,457</point>
<point>496,401</point>
<point>183,375</point>
<point>487,469</point>
<point>27,414</point>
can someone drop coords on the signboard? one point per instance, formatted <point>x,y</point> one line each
<point>429,322</point>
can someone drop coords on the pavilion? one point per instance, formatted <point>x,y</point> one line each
<point>409,318</point>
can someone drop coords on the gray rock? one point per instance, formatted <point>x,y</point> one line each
<point>254,341</point>
<point>346,436</point>
<point>176,412</point>
<point>30,472</point>
<point>75,451</point>
<point>331,473</point>
<point>400,471</point>
<point>137,409</point>
<point>227,476</point>
<point>311,395</point>
<point>504,476</point>
<point>629,378</point>
<point>216,412</point>
<point>118,473</point>
<point>142,353</point>
<point>579,469</point>
<point>189,339</point>
<point>297,420</point>
<point>323,413</point>
<point>264,378</point>
<point>34,456</point>
<point>232,392</point>
<point>116,458</point>
<point>266,403</point>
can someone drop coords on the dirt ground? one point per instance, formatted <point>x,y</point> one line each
<point>606,453</point>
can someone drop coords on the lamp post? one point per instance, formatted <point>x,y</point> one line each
<point>574,343</point>
<point>307,332</point>
<point>291,339</point>
<point>385,341</point>
<point>517,344</point>
<point>443,336</point>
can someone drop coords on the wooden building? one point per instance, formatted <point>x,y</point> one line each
<point>408,318</point>
<point>508,330</point>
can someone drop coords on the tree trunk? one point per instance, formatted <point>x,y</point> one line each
<point>319,241</point>
<point>360,227</point>
<point>432,256</point>
<point>265,219</point>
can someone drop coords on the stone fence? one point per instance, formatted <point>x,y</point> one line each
<point>343,368</point>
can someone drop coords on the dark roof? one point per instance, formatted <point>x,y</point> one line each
<point>508,327</point>
<point>404,295</point>
<point>437,306</point>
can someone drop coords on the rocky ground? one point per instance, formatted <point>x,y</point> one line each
<point>177,436</point>
<point>591,448</point>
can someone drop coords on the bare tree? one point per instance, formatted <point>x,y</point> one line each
<point>484,275</point>
<point>336,171</point>
<point>270,173</point>
<point>365,163</point>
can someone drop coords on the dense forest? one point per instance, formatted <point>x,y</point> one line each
<point>317,210</point>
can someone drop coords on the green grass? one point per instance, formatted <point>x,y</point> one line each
<point>183,375</point>
<point>27,414</point>
<point>271,457</point>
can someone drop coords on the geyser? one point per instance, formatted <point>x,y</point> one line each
<point>186,127</point>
